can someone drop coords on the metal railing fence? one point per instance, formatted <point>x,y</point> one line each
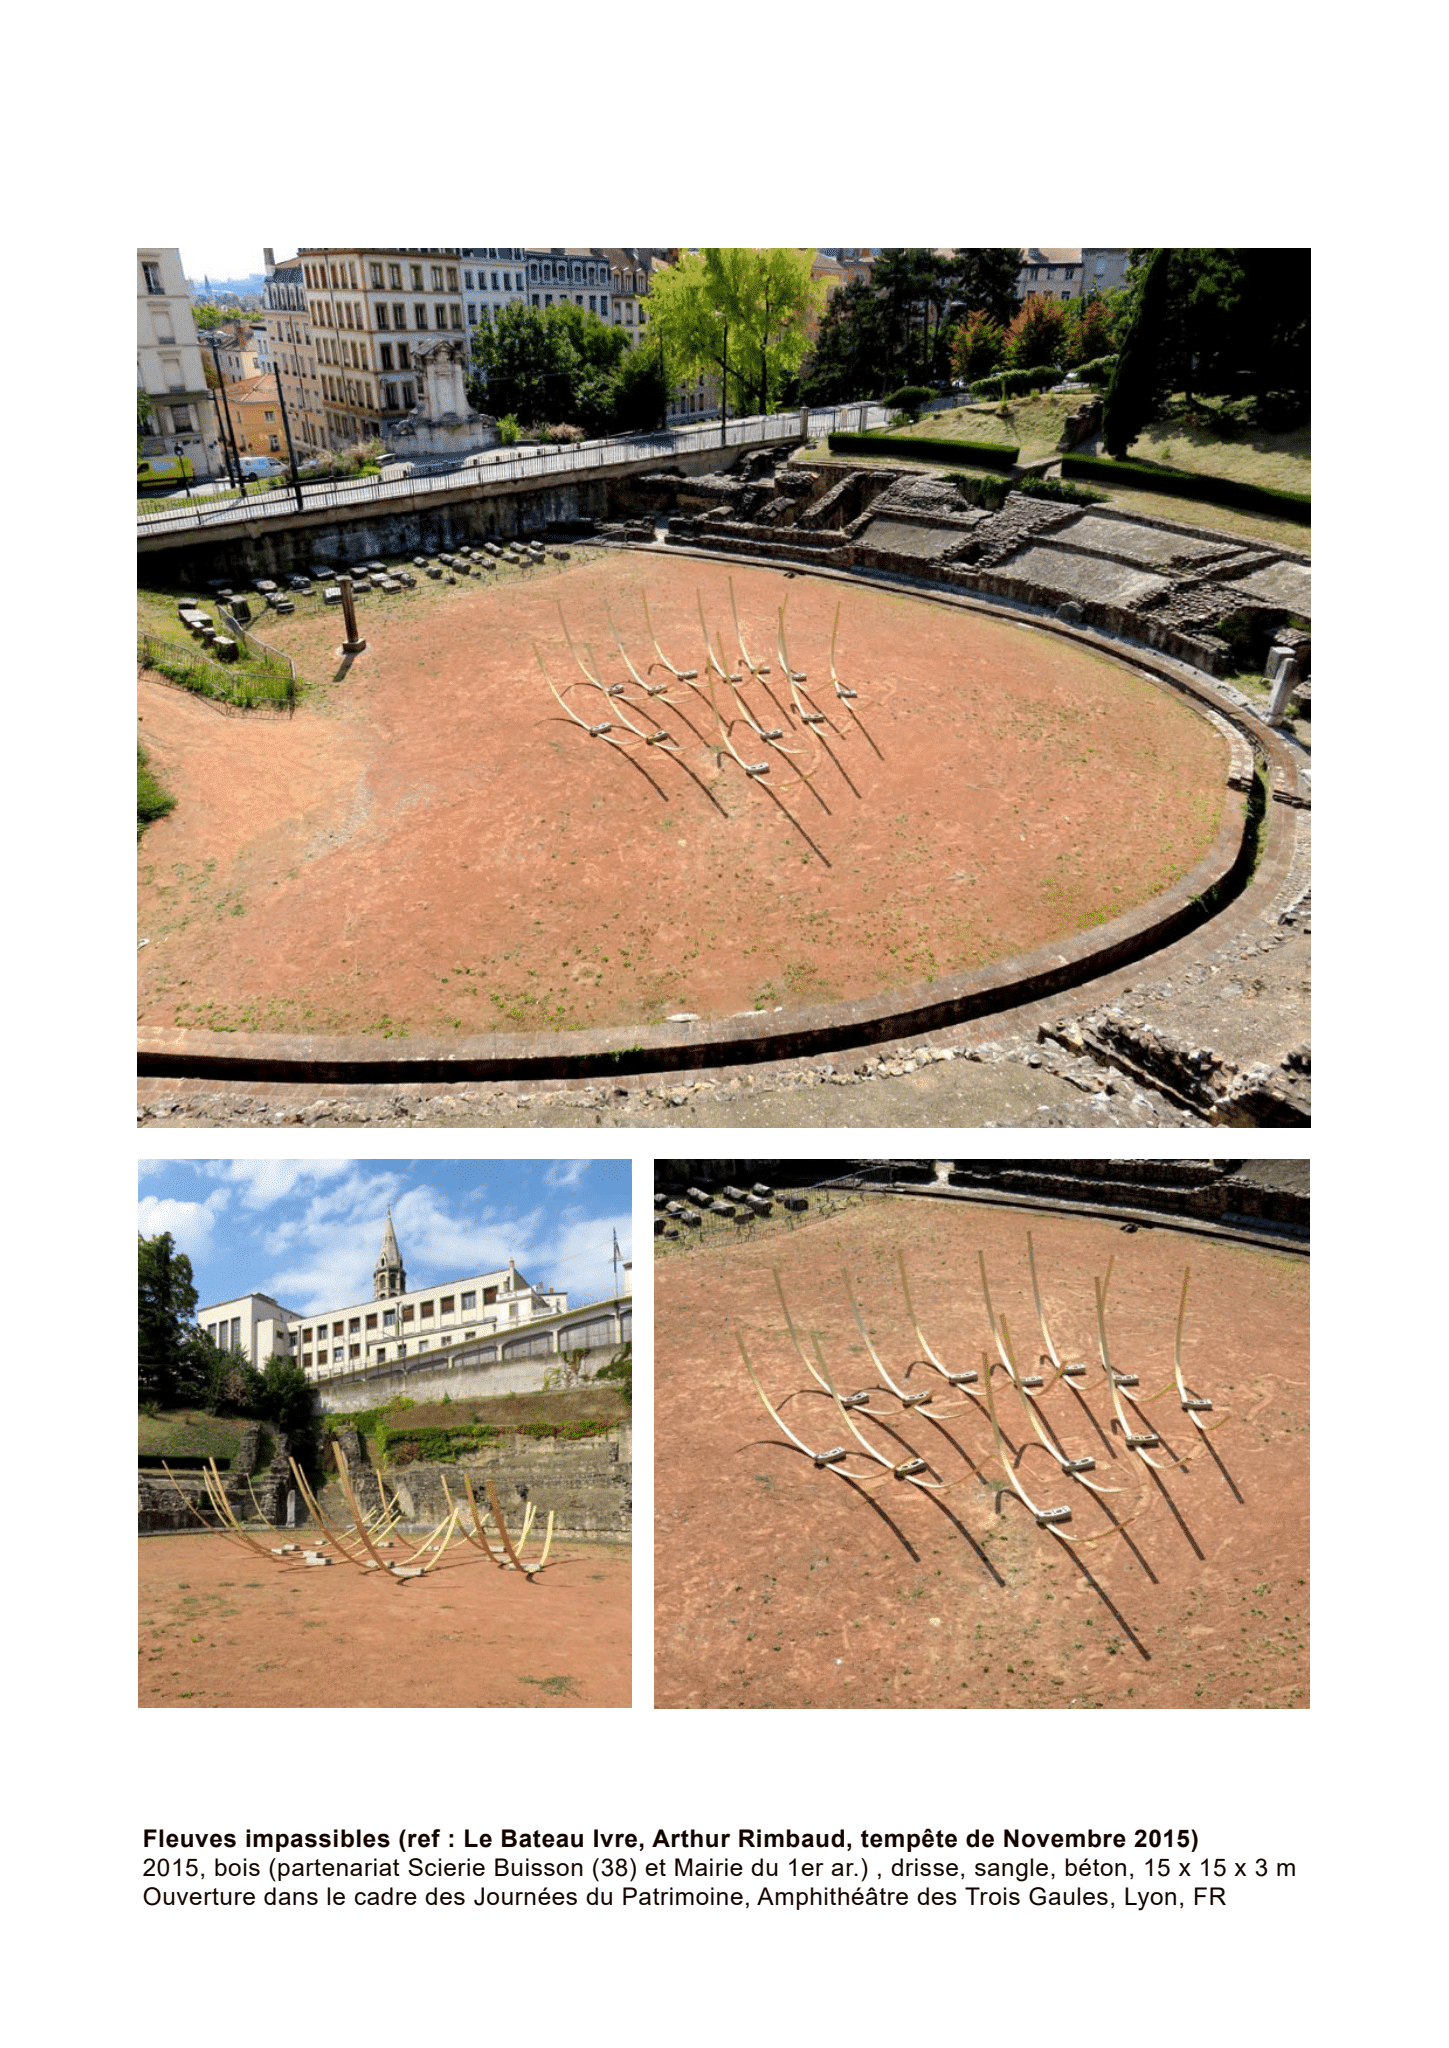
<point>517,465</point>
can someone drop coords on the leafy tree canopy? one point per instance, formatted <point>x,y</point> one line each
<point>166,1302</point>
<point>741,313</point>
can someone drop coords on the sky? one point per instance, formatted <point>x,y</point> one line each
<point>307,1232</point>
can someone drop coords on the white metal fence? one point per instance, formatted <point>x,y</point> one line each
<point>517,465</point>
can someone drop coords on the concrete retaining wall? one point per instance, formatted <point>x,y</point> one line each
<point>468,1380</point>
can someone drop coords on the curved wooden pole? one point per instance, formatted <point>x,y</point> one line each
<point>683,675</point>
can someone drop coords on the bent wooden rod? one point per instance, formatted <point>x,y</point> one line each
<point>857,1400</point>
<point>829,1461</point>
<point>649,689</point>
<point>1060,1371</point>
<point>1194,1406</point>
<point>1075,1468</point>
<point>906,1400</point>
<point>952,1379</point>
<point>514,1556</point>
<point>1046,1518</point>
<point>1033,1380</point>
<point>243,1539</point>
<point>907,1469</point>
<point>756,668</point>
<point>683,675</point>
<point>1140,1440</point>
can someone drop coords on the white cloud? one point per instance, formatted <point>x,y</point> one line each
<point>264,1181</point>
<point>566,1173</point>
<point>190,1223</point>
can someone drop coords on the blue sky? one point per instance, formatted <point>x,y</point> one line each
<point>307,1231</point>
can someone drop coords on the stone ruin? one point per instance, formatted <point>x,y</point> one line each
<point>1168,585</point>
<point>442,426</point>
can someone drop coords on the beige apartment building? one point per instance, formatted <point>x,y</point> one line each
<point>293,354</point>
<point>497,1315</point>
<point>169,365</point>
<point>368,309</point>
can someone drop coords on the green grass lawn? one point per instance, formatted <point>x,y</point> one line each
<point>189,1433</point>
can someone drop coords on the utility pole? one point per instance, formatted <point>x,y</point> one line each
<point>287,430</point>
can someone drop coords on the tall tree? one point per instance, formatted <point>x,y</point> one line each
<point>984,281</point>
<point>166,1302</point>
<point>529,363</point>
<point>1137,384</point>
<point>851,355</point>
<point>1038,334</point>
<point>742,314</point>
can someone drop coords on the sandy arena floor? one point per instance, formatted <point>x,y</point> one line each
<point>431,846</point>
<point>220,1627</point>
<point>780,1585</point>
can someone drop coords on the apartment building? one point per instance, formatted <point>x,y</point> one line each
<point>293,353</point>
<point>368,310</point>
<point>492,279</point>
<point>169,365</point>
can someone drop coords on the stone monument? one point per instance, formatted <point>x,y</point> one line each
<point>442,425</point>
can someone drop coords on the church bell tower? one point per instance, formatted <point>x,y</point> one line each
<point>388,1275</point>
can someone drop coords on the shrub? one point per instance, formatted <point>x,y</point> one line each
<point>508,429</point>
<point>910,398</point>
<point>152,801</point>
<point>988,493</point>
<point>1181,483</point>
<point>1019,383</point>
<point>1097,371</point>
<point>970,454</point>
<point>1053,487</point>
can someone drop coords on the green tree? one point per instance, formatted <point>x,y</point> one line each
<point>166,1302</point>
<point>207,316</point>
<point>741,313</point>
<point>227,1381</point>
<point>984,281</point>
<point>976,346</point>
<point>285,1396</point>
<point>640,392</point>
<point>1089,332</point>
<point>851,354</point>
<point>1038,334</point>
<point>1137,384</point>
<point>528,365</point>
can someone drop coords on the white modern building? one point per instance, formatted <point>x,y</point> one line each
<point>497,1315</point>
<point>168,365</point>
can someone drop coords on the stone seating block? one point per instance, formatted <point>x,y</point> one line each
<point>331,595</point>
<point>224,648</point>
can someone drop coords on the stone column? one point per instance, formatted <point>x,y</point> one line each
<point>351,644</point>
<point>1285,681</point>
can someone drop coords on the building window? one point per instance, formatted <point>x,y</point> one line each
<point>469,1301</point>
<point>389,1318</point>
<point>472,314</point>
<point>445,1340</point>
<point>154,286</point>
<point>402,1350</point>
<point>425,1309</point>
<point>385,351</point>
<point>408,397</point>
<point>337,1355</point>
<point>400,318</point>
<point>389,397</point>
<point>407,1314</point>
<point>394,277</point>
<point>403,358</point>
<point>274,442</point>
<point>354,1351</point>
<point>181,419</point>
<point>455,315</point>
<point>495,282</point>
<point>382,314</point>
<point>489,1294</point>
<point>374,271</point>
<point>420,316</point>
<point>445,1306</point>
<point>270,418</point>
<point>417,271</point>
<point>354,1324</point>
<point>437,270</point>
<point>372,1322</point>
<point>452,279</point>
<point>467,280</point>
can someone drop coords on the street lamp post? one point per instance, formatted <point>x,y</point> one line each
<point>181,469</point>
<point>724,389</point>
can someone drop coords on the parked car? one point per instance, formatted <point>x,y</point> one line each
<point>261,465</point>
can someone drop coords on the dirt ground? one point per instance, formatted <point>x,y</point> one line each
<point>780,1585</point>
<point>221,1627</point>
<point>431,845</point>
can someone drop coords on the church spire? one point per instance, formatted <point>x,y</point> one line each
<point>388,1275</point>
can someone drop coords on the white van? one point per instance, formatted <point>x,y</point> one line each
<point>261,465</point>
